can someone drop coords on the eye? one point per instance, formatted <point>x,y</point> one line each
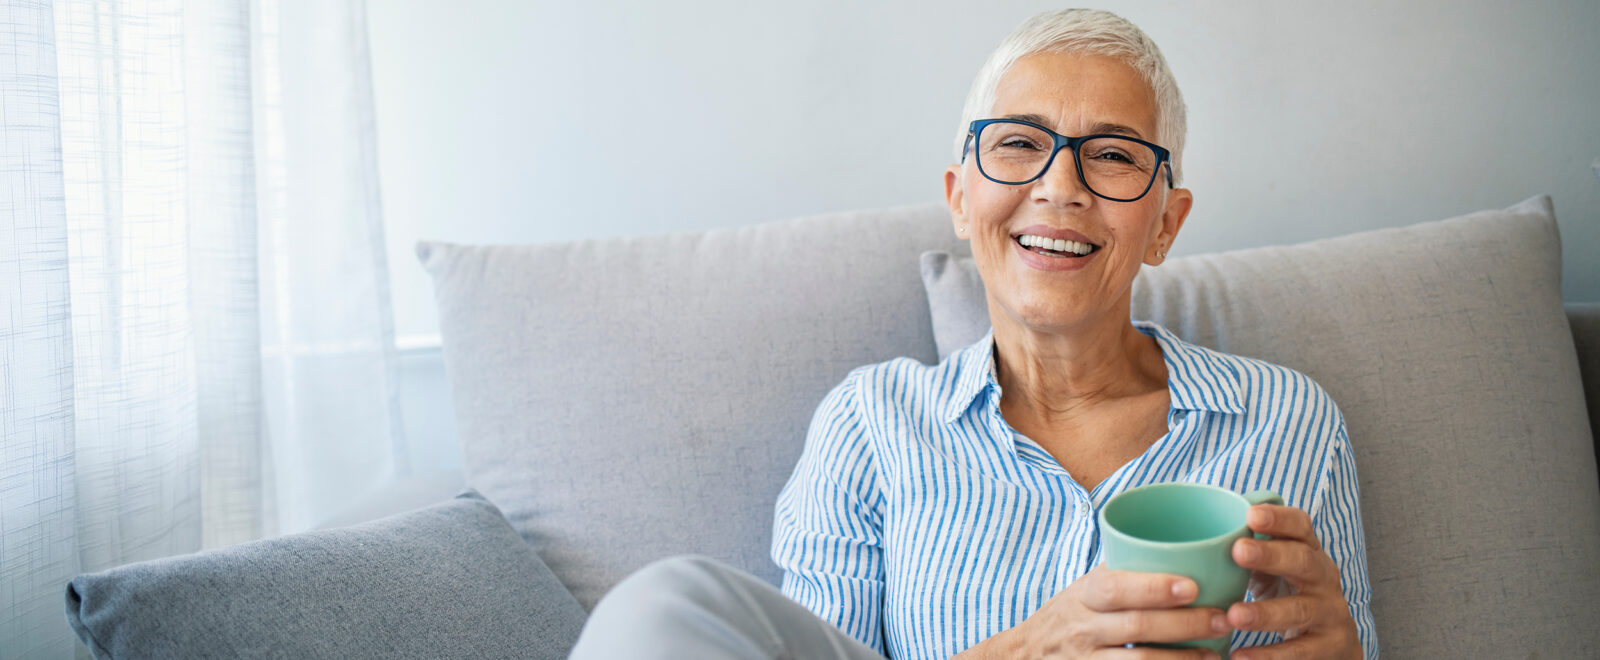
<point>1017,142</point>
<point>1113,156</point>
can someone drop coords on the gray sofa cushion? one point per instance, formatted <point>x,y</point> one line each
<point>452,580</point>
<point>1447,349</point>
<point>627,399</point>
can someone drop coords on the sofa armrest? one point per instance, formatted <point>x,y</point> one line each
<point>1585,321</point>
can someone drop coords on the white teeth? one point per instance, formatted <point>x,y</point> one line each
<point>1059,245</point>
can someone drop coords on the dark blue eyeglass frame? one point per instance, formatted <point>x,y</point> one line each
<point>1061,141</point>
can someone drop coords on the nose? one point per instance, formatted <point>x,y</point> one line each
<point>1060,183</point>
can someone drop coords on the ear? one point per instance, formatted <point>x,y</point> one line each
<point>955,198</point>
<point>1179,201</point>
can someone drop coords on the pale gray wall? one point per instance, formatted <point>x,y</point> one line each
<point>509,121</point>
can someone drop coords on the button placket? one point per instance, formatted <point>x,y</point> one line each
<point>1091,537</point>
<point>1081,536</point>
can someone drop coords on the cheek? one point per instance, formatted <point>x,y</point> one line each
<point>1137,228</point>
<point>989,249</point>
<point>987,198</point>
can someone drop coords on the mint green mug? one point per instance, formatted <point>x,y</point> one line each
<point>1183,529</point>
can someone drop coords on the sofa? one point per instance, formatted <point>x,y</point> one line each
<point>622,400</point>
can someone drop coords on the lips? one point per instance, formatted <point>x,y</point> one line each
<point>1053,249</point>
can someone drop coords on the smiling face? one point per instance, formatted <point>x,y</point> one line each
<point>1028,283</point>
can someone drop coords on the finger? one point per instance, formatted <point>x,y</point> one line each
<point>1283,522</point>
<point>1161,626</point>
<point>1266,585</point>
<point>1108,590</point>
<point>1149,653</point>
<point>1294,649</point>
<point>1305,566</point>
<point>1277,614</point>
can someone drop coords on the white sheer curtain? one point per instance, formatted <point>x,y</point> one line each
<point>195,323</point>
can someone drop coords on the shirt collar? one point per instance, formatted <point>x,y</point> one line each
<point>1198,378</point>
<point>974,373</point>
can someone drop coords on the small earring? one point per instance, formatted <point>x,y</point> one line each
<point>1161,253</point>
<point>962,230</point>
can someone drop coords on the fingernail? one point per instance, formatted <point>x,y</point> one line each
<point>1248,551</point>
<point>1263,516</point>
<point>1219,623</point>
<point>1183,589</point>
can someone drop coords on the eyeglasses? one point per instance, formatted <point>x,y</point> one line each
<point>1115,167</point>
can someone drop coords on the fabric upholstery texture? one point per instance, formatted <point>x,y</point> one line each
<point>452,580</point>
<point>1448,350</point>
<point>1585,321</point>
<point>628,399</point>
<point>956,301</point>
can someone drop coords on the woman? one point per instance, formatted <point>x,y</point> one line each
<point>950,510</point>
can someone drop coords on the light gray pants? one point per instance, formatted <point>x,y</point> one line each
<point>692,607</point>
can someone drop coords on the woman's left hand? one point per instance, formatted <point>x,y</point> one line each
<point>1296,586</point>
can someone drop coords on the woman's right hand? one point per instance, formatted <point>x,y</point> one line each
<point>1098,614</point>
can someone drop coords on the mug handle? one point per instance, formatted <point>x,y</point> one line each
<point>1263,497</point>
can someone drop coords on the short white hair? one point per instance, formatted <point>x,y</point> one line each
<point>1088,31</point>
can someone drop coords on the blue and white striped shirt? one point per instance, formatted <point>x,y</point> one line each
<point>919,522</point>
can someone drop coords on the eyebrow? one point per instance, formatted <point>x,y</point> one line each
<point>1098,128</point>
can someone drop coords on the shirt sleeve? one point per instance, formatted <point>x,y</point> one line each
<point>1337,522</point>
<point>826,528</point>
<point>1336,518</point>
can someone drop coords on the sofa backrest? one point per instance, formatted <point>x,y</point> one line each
<point>626,399</point>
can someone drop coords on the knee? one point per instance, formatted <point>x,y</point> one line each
<point>686,606</point>
<point>686,570</point>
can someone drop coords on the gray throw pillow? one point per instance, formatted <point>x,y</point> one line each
<point>1447,349</point>
<point>627,399</point>
<point>451,580</point>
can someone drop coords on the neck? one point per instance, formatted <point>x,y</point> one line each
<point>1050,374</point>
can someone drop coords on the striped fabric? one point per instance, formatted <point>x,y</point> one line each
<point>918,521</point>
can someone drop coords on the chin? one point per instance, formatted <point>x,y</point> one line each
<point>1050,314</point>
